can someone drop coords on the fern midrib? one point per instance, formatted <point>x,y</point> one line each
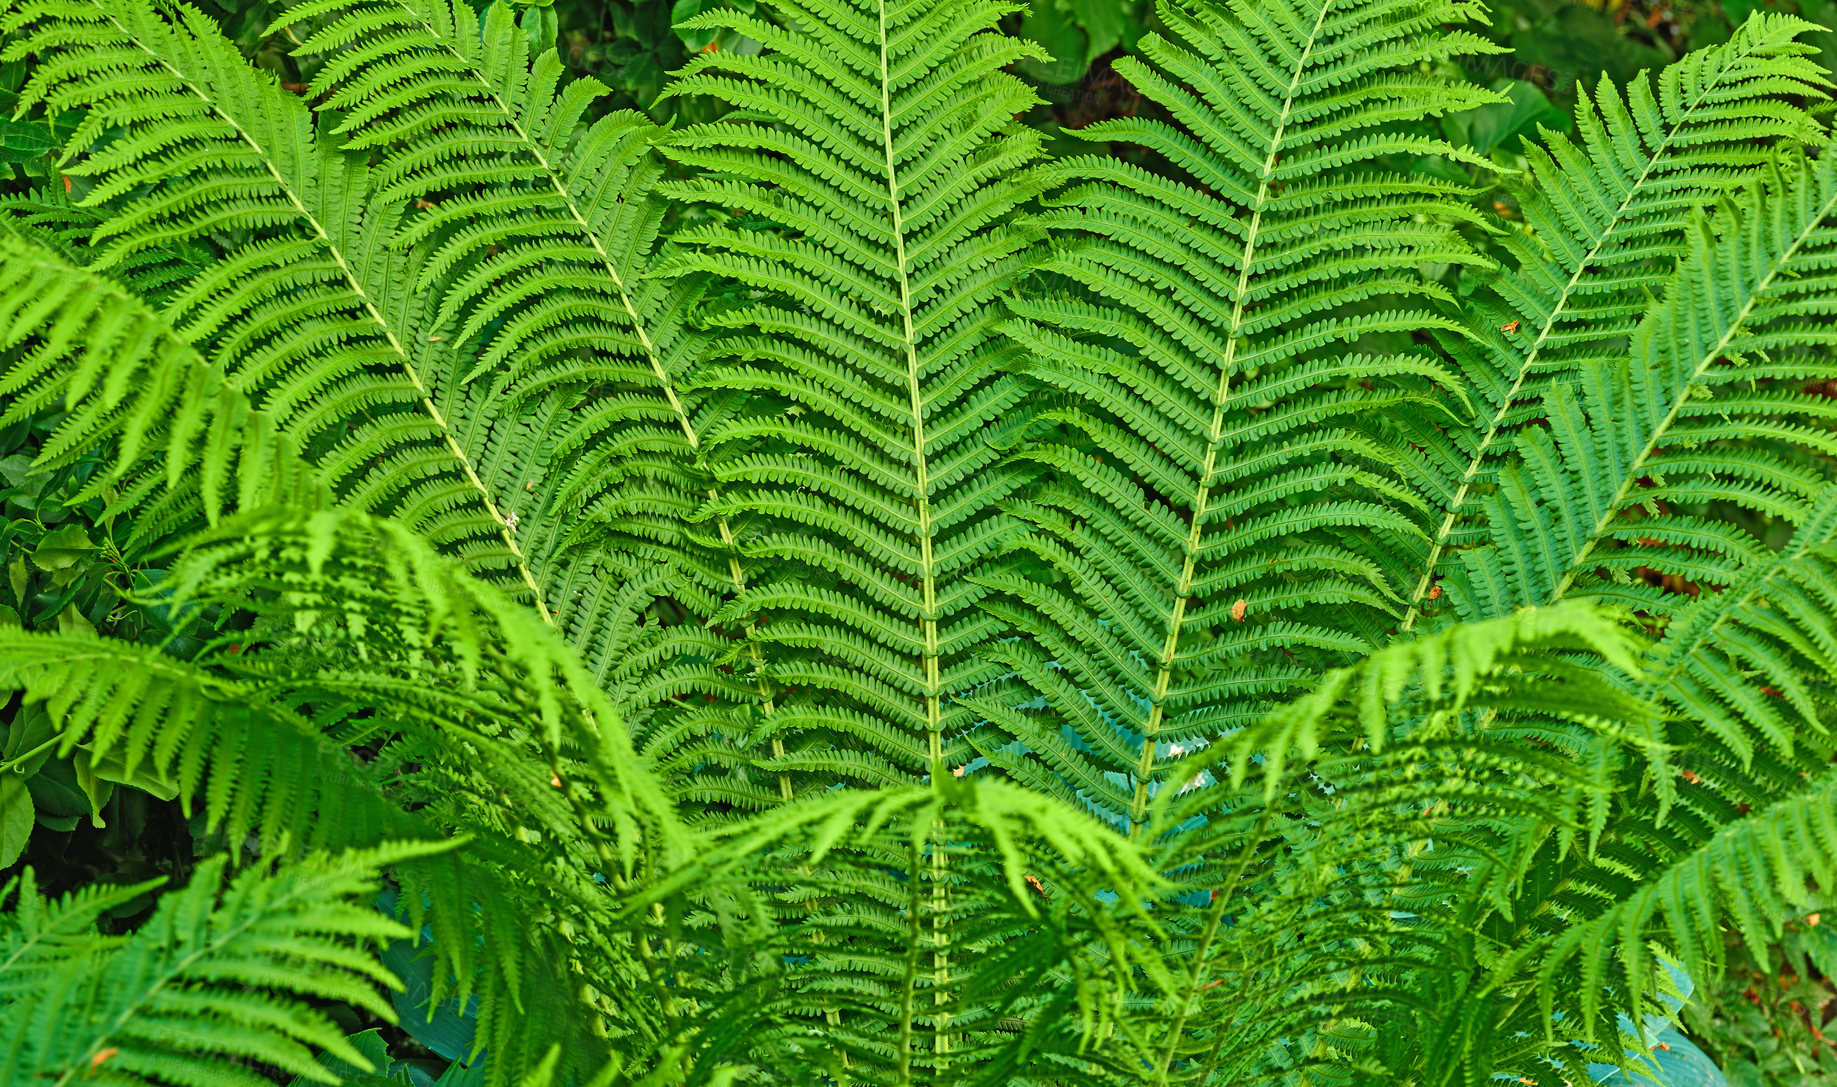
<point>344,269</point>
<point>1497,424</point>
<point>928,590</point>
<point>1183,591</point>
<point>1637,469</point>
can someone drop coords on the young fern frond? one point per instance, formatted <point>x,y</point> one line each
<point>1333,866</point>
<point>250,763</point>
<point>1605,217</point>
<point>477,708</point>
<point>1211,493</point>
<point>217,980</point>
<point>877,136</point>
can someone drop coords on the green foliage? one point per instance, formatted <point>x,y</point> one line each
<point>1604,233</point>
<point>879,172</point>
<point>221,973</point>
<point>1208,469</point>
<point>835,594</point>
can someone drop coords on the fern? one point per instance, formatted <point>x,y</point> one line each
<point>263,747</point>
<point>181,440</point>
<point>219,975</point>
<point>542,244</point>
<point>315,317</point>
<point>659,529</point>
<point>1360,831</point>
<point>1716,361</point>
<point>1605,227</point>
<point>879,142</point>
<point>1213,494</point>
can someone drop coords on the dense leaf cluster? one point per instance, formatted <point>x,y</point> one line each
<point>838,594</point>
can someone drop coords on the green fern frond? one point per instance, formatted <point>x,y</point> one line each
<point>472,704</point>
<point>177,439</point>
<point>402,607</point>
<point>1338,848</point>
<point>1605,216</point>
<point>879,138</point>
<point>1604,487</point>
<point>250,764</point>
<point>1036,928</point>
<point>543,234</point>
<point>1504,658</point>
<point>314,317</point>
<point>1740,849</point>
<point>1236,314</point>
<point>218,979</point>
<point>48,217</point>
<point>41,936</point>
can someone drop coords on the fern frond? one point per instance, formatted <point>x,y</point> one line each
<point>41,937</point>
<point>178,440</point>
<point>48,217</point>
<point>879,139</point>
<point>1339,849</point>
<point>472,704</point>
<point>542,238</point>
<point>314,317</point>
<point>1752,871</point>
<point>543,242</point>
<point>1605,216</point>
<point>218,979</point>
<point>1236,316</point>
<point>1038,927</point>
<point>1604,487</point>
<point>253,764</point>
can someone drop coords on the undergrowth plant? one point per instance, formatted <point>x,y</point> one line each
<point>834,595</point>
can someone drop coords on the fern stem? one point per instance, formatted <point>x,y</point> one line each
<point>1497,424</point>
<point>1221,895</point>
<point>1636,470</point>
<point>908,991</point>
<point>408,368</point>
<point>1183,591</point>
<point>940,961</point>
